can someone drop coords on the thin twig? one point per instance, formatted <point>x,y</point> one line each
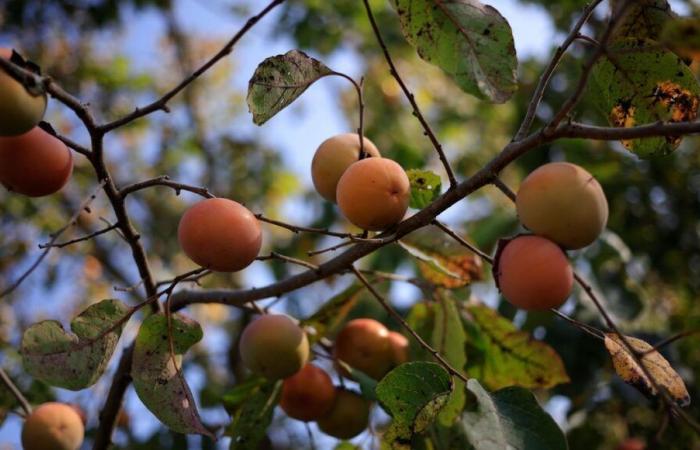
<point>593,331</point>
<point>504,188</point>
<point>80,239</point>
<point>54,238</point>
<point>330,249</point>
<point>411,99</point>
<point>21,399</point>
<point>164,180</point>
<point>462,241</point>
<point>161,103</point>
<point>289,259</point>
<point>549,71</point>
<point>443,362</point>
<point>669,340</point>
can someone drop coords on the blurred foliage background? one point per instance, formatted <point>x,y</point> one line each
<point>647,265</point>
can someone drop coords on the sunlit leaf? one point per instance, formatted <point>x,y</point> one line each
<point>74,361</point>
<point>505,356</point>
<point>425,187</point>
<point>413,393</point>
<point>158,382</point>
<point>510,419</point>
<point>659,368</point>
<point>449,340</point>
<point>642,83</point>
<point>442,261</point>
<point>470,41</point>
<point>279,80</point>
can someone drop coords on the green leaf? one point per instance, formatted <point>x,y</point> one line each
<point>682,36</point>
<point>413,393</point>
<point>158,380</point>
<point>421,319</point>
<point>74,361</point>
<point>442,261</point>
<point>279,80</point>
<point>251,406</point>
<point>510,419</point>
<point>643,19</point>
<point>328,319</point>
<point>449,340</point>
<point>507,356</point>
<point>643,84</point>
<point>425,187</point>
<point>470,41</point>
<point>368,385</point>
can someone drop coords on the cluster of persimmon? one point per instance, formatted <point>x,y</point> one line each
<point>565,208</point>
<point>32,161</point>
<point>275,347</point>
<point>372,192</point>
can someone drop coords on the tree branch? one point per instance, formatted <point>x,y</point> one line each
<point>411,99</point>
<point>161,103</point>
<point>21,399</point>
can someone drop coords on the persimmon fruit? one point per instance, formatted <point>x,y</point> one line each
<point>20,111</point>
<point>564,203</point>
<point>533,273</point>
<point>274,346</point>
<point>54,426</point>
<point>308,394</point>
<point>348,417</point>
<point>34,163</point>
<point>220,234</point>
<point>373,193</point>
<point>333,157</point>
<point>364,344</point>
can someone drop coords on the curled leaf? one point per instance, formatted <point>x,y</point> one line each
<point>279,80</point>
<point>74,361</point>
<point>158,380</point>
<point>658,367</point>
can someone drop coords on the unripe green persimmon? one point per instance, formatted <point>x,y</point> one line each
<point>348,417</point>
<point>364,345</point>
<point>333,157</point>
<point>53,426</point>
<point>308,394</point>
<point>20,111</point>
<point>563,202</point>
<point>274,346</point>
<point>220,234</point>
<point>533,273</point>
<point>34,163</point>
<point>373,193</point>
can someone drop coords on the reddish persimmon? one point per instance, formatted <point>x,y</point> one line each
<point>333,157</point>
<point>533,273</point>
<point>364,345</point>
<point>348,417</point>
<point>373,193</point>
<point>220,234</point>
<point>308,394</point>
<point>34,163</point>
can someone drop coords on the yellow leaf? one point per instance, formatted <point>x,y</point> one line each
<point>658,367</point>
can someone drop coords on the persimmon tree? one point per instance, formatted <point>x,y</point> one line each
<point>597,282</point>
